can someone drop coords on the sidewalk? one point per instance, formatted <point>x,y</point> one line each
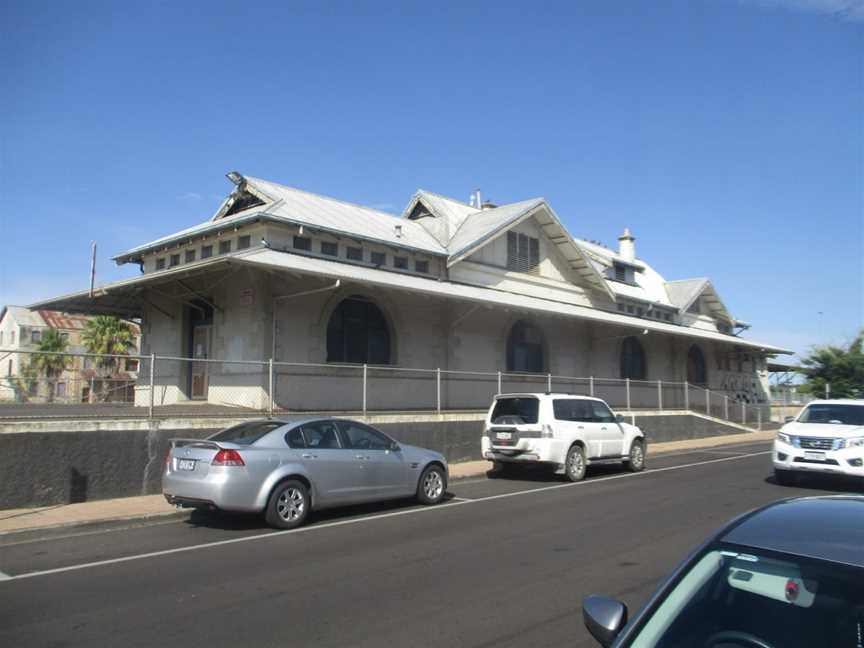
<point>154,506</point>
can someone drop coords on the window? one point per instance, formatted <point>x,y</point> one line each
<point>357,332</point>
<point>421,266</point>
<point>632,359</point>
<point>64,337</point>
<point>630,309</point>
<point>9,369</point>
<point>33,388</point>
<point>35,336</point>
<point>696,373</point>
<point>400,262</point>
<point>362,437</point>
<point>160,263</point>
<point>525,349</point>
<point>302,243</point>
<point>379,258</point>
<point>622,307</point>
<point>354,253</point>
<point>224,247</point>
<point>294,438</point>
<point>206,251</point>
<point>131,365</point>
<point>515,411</point>
<point>60,390</point>
<point>175,260</point>
<point>190,256</point>
<point>244,242</point>
<point>328,248</point>
<point>667,317</point>
<point>620,272</point>
<point>12,337</point>
<point>88,362</point>
<point>246,433</point>
<point>572,409</point>
<point>523,252</point>
<point>601,413</point>
<point>695,307</point>
<point>321,435</point>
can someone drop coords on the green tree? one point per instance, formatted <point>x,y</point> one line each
<point>841,368</point>
<point>108,336</point>
<point>49,359</point>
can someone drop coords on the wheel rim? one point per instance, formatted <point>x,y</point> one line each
<point>636,455</point>
<point>575,464</point>
<point>433,485</point>
<point>291,504</point>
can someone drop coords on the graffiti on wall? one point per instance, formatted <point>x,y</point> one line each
<point>743,387</point>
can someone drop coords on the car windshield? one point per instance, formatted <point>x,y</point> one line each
<point>734,598</point>
<point>515,411</point>
<point>246,433</point>
<point>833,413</point>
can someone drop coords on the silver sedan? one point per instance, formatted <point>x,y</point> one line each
<point>286,468</point>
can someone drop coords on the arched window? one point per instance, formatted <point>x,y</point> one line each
<point>696,373</point>
<point>357,332</point>
<point>632,359</point>
<point>525,350</point>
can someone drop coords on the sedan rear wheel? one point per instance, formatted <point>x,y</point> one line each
<point>432,486</point>
<point>288,505</point>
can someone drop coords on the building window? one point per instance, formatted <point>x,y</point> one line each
<point>224,247</point>
<point>206,251</point>
<point>358,332</point>
<point>64,337</point>
<point>190,256</point>
<point>523,252</point>
<point>667,317</point>
<point>302,243</point>
<point>61,390</point>
<point>632,359</point>
<point>696,373</point>
<point>620,272</point>
<point>354,253</point>
<point>400,262</point>
<point>160,264</point>
<point>88,362</point>
<point>9,369</point>
<point>244,242</point>
<point>328,248</point>
<point>35,336</point>
<point>630,309</point>
<point>11,337</point>
<point>695,307</point>
<point>175,260</point>
<point>379,258</point>
<point>525,349</point>
<point>421,266</point>
<point>131,365</point>
<point>33,388</point>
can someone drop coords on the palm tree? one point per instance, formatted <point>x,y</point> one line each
<point>108,336</point>
<point>49,359</point>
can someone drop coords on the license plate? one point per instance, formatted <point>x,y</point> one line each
<point>504,435</point>
<point>815,456</point>
<point>185,464</point>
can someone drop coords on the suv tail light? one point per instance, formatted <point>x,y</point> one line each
<point>227,458</point>
<point>547,432</point>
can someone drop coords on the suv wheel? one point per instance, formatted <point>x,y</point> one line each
<point>574,465</point>
<point>636,459</point>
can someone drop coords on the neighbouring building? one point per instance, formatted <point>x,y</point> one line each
<point>327,286</point>
<point>82,379</point>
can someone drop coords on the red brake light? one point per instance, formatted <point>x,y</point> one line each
<point>227,458</point>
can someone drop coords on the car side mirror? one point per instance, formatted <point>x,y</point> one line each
<point>619,418</point>
<point>788,419</point>
<point>604,617</point>
<point>395,447</point>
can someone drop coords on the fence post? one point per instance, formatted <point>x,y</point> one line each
<point>726,406</point>
<point>686,395</point>
<point>364,390</point>
<point>270,389</point>
<point>659,394</point>
<point>707,402</point>
<point>438,387</point>
<point>499,383</point>
<point>591,385</point>
<point>549,382</point>
<point>743,413</point>
<point>627,387</point>
<point>152,383</point>
<point>759,418</point>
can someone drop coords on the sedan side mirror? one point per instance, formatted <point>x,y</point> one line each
<point>604,617</point>
<point>394,447</point>
<point>788,419</point>
<point>619,418</point>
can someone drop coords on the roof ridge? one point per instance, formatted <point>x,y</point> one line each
<point>317,195</point>
<point>438,195</point>
<point>481,211</point>
<point>691,279</point>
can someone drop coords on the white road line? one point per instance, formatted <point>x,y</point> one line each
<point>5,576</point>
<point>460,499</point>
<point>329,525</point>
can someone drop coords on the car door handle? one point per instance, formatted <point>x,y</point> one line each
<point>362,457</point>
<point>309,456</point>
<point>581,427</point>
<point>603,428</point>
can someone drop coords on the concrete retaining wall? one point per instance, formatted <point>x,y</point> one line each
<point>41,468</point>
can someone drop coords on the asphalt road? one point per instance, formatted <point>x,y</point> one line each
<point>503,563</point>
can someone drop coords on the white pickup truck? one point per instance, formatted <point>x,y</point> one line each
<point>564,431</point>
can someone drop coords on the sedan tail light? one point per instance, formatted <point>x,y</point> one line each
<point>227,458</point>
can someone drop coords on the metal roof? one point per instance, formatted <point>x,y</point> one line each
<point>827,528</point>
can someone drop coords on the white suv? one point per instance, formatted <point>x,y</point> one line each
<point>826,437</point>
<point>564,431</point>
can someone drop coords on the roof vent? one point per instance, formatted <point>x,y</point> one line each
<point>397,229</point>
<point>627,245</point>
<point>488,205</point>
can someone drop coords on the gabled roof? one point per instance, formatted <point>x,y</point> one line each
<point>684,292</point>
<point>448,214</point>
<point>22,315</point>
<point>649,287</point>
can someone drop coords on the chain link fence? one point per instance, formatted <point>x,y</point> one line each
<point>36,382</point>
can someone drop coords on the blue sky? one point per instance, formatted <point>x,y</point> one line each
<point>727,134</point>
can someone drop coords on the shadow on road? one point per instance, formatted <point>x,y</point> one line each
<point>836,484</point>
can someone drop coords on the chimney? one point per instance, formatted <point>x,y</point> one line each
<point>627,245</point>
<point>397,229</point>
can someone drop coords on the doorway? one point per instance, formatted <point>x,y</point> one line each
<point>200,319</point>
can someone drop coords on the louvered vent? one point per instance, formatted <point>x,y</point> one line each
<point>523,252</point>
